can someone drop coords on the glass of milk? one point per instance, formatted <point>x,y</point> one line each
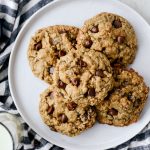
<point>10,131</point>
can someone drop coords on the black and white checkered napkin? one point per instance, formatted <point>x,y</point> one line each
<point>13,14</point>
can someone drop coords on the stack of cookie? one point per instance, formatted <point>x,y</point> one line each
<point>85,70</point>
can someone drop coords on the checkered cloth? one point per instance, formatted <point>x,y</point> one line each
<point>13,14</point>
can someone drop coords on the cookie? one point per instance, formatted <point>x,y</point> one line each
<point>111,34</point>
<point>86,76</point>
<point>125,102</point>
<point>63,115</point>
<point>47,46</point>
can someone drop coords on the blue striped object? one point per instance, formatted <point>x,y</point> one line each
<point>13,14</point>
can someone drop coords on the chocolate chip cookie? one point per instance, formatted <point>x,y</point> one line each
<point>86,76</point>
<point>63,115</point>
<point>111,34</point>
<point>125,102</point>
<point>47,46</point>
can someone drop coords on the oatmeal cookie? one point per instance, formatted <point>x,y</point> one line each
<point>125,102</point>
<point>47,46</point>
<point>63,115</point>
<point>85,75</point>
<point>111,34</point>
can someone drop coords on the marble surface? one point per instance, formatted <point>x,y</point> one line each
<point>141,6</point>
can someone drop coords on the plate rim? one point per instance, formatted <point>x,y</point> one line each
<point>10,80</point>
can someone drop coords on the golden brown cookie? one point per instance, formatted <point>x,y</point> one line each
<point>111,34</point>
<point>63,115</point>
<point>47,46</point>
<point>85,75</point>
<point>125,102</point>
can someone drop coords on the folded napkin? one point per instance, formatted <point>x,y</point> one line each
<point>13,14</point>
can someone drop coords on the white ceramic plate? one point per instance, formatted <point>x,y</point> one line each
<point>25,88</point>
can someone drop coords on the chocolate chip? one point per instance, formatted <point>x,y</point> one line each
<point>100,73</point>
<point>61,84</point>
<point>81,63</point>
<point>71,106</point>
<point>38,45</point>
<point>75,81</point>
<point>120,39</point>
<point>94,29</point>
<point>91,92</point>
<point>63,118</point>
<point>62,53</point>
<point>88,43</point>
<point>112,112</point>
<point>51,70</point>
<point>50,109</point>
<point>117,23</point>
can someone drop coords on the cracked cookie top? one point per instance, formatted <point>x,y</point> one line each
<point>85,75</point>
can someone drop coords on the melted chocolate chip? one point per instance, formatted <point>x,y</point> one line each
<point>62,53</point>
<point>76,81</point>
<point>121,39</point>
<point>117,24</point>
<point>88,43</point>
<point>81,63</point>
<point>63,118</point>
<point>50,109</point>
<point>38,46</point>
<point>71,106</point>
<point>61,84</point>
<point>94,29</point>
<point>112,112</point>
<point>91,92</point>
